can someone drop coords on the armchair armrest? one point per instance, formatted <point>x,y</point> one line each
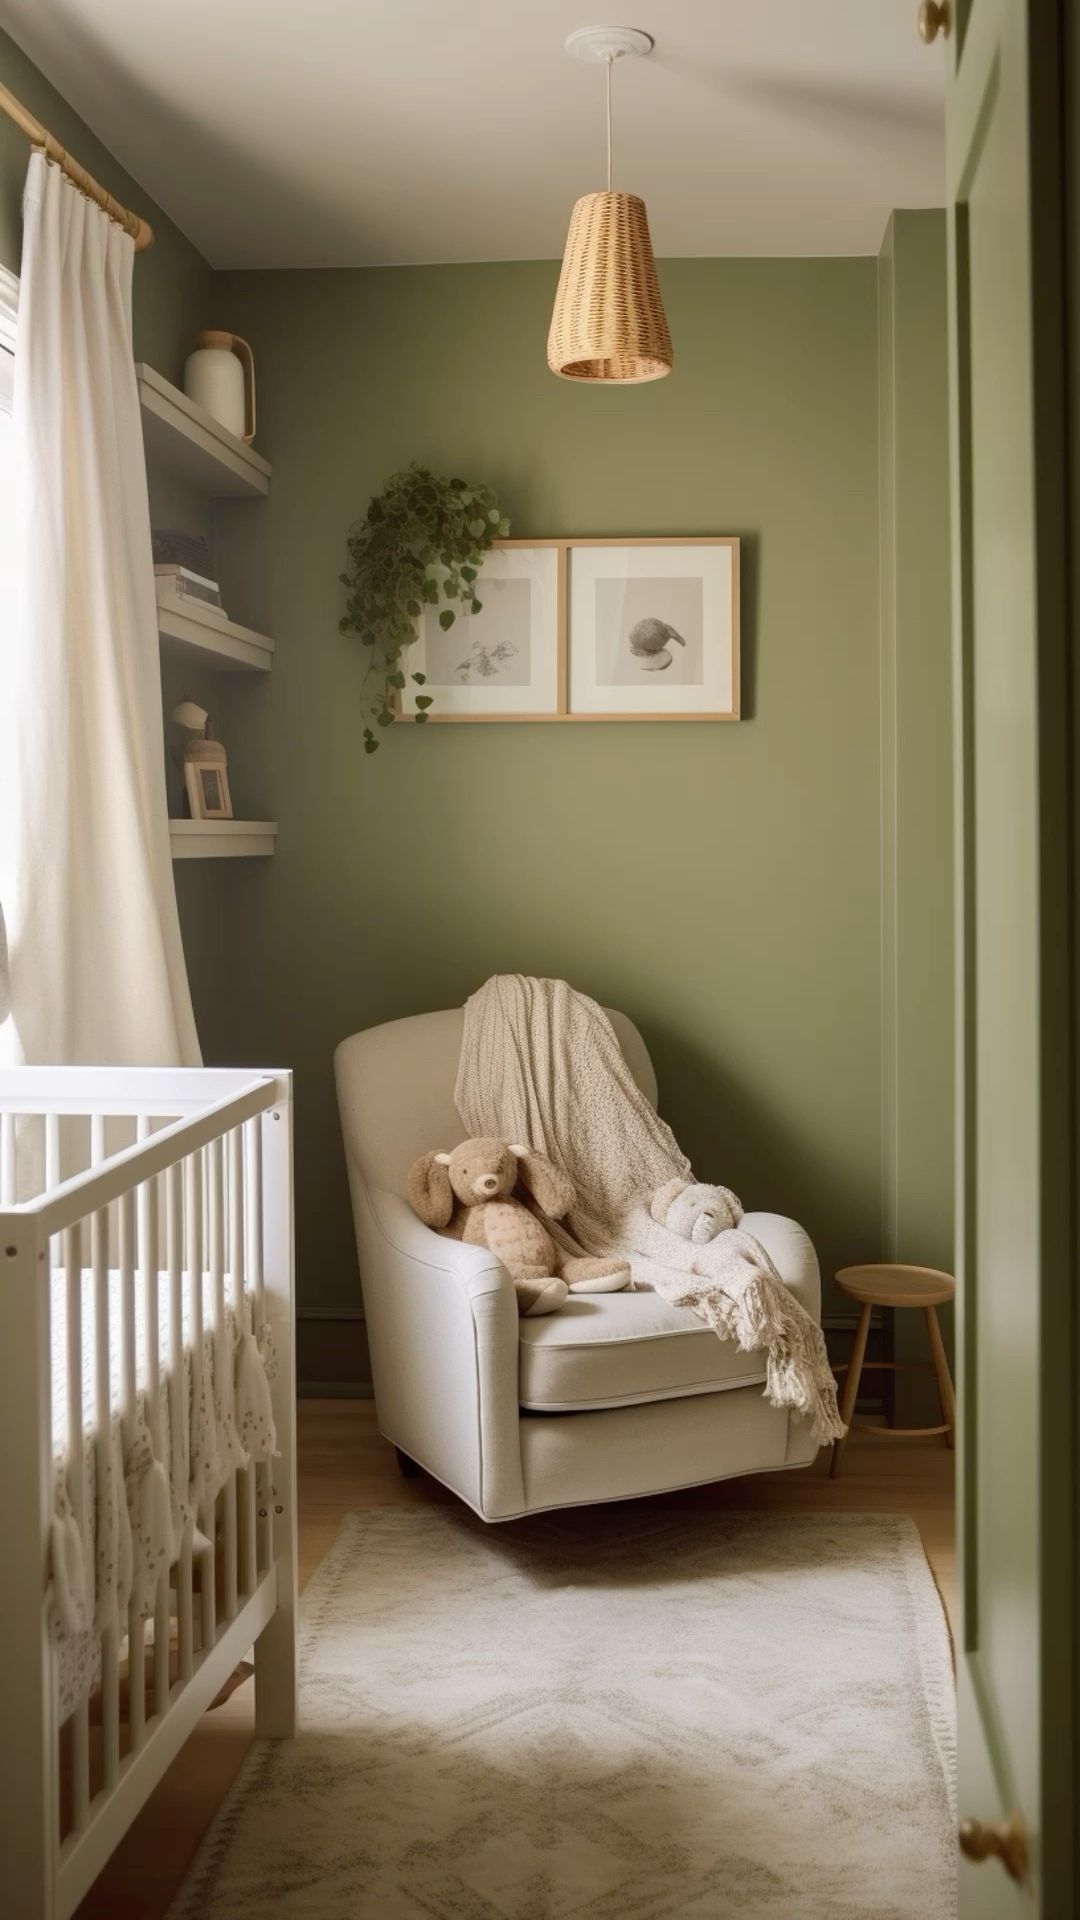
<point>442,1325</point>
<point>477,1270</point>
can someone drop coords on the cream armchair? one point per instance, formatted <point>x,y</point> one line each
<point>616,1395</point>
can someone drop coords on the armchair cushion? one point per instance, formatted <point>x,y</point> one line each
<point>620,1349</point>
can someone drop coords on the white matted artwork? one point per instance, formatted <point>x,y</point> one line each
<point>654,629</point>
<point>504,663</point>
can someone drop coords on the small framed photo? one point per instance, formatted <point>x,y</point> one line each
<point>507,662</point>
<point>654,629</point>
<point>207,791</point>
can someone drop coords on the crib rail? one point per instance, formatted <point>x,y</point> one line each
<point>187,1226</point>
<point>110,1177</point>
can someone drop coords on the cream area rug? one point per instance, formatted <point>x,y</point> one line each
<point>612,1714</point>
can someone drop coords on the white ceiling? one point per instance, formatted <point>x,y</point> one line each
<point>355,132</point>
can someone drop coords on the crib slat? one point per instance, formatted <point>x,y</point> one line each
<point>161,1643</point>
<point>103,1411</point>
<point>264,1494</point>
<point>254,1188</point>
<point>148,1273</point>
<point>80,1729</point>
<point>197,1225</point>
<point>136,1678</point>
<point>80,1766</point>
<point>73,1288</point>
<point>261,1493</point>
<point>7,1159</point>
<point>126,1211</point>
<point>215,1188</point>
<point>229,1531</point>
<point>237,1223</point>
<point>110,1707</point>
<point>215,1179</point>
<point>52,1151</point>
<point>52,1167</point>
<point>194,1237</point>
<point>185,1651</point>
<point>207,1597</point>
<point>178,1401</point>
<point>249,1529</point>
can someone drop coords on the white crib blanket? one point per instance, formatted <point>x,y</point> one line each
<point>144,1482</point>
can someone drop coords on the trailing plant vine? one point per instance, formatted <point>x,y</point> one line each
<point>423,539</point>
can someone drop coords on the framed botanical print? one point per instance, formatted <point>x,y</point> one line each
<point>508,661</point>
<point>654,629</point>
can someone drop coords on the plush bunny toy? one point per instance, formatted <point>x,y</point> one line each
<point>470,1194</point>
<point>695,1211</point>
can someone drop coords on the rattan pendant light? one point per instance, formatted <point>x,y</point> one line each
<point>609,324</point>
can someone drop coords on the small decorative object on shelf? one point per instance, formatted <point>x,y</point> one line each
<point>205,776</point>
<point>172,547</point>
<point>220,376</point>
<point>183,439</point>
<point>422,541</point>
<point>175,585</point>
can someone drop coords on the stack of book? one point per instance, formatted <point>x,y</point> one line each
<point>182,574</point>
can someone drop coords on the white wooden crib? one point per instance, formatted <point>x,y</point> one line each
<point>145,1244</point>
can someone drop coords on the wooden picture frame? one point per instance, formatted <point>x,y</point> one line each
<point>507,663</point>
<point>207,785</point>
<point>708,690</point>
<point>628,681</point>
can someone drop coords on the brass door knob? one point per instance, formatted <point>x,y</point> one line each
<point>934,18</point>
<point>1004,1840</point>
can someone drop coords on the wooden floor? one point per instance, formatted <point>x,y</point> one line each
<point>344,1463</point>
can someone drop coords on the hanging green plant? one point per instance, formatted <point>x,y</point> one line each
<point>422,540</point>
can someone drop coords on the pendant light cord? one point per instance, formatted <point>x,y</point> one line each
<point>610,62</point>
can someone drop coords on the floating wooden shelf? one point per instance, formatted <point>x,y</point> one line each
<point>197,639</point>
<point>190,442</point>
<point>221,839</point>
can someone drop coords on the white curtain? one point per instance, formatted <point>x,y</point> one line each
<point>97,971</point>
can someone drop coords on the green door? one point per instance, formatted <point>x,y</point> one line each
<point>1016,1183</point>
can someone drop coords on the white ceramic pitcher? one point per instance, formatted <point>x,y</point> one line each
<point>220,376</point>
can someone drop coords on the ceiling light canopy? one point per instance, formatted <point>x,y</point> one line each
<point>609,324</point>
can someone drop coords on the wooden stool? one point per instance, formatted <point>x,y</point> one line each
<point>893,1286</point>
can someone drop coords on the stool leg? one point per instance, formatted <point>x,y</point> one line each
<point>851,1384</point>
<point>944,1378</point>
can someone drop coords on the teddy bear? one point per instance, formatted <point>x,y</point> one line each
<point>469,1194</point>
<point>694,1210</point>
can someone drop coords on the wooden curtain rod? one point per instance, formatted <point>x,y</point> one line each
<point>141,233</point>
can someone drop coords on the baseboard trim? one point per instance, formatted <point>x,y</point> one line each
<point>335,1390</point>
<point>330,1313</point>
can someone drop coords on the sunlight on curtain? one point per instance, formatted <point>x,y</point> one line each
<point>97,969</point>
<point>7,494</point>
<point>7,574</point>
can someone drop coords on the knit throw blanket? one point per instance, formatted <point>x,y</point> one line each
<point>541,1063</point>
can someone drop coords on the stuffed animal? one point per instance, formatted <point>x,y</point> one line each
<point>695,1211</point>
<point>470,1194</point>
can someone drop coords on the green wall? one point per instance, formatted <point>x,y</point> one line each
<point>916,757</point>
<point>720,883</point>
<point>770,901</point>
<point>916,713</point>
